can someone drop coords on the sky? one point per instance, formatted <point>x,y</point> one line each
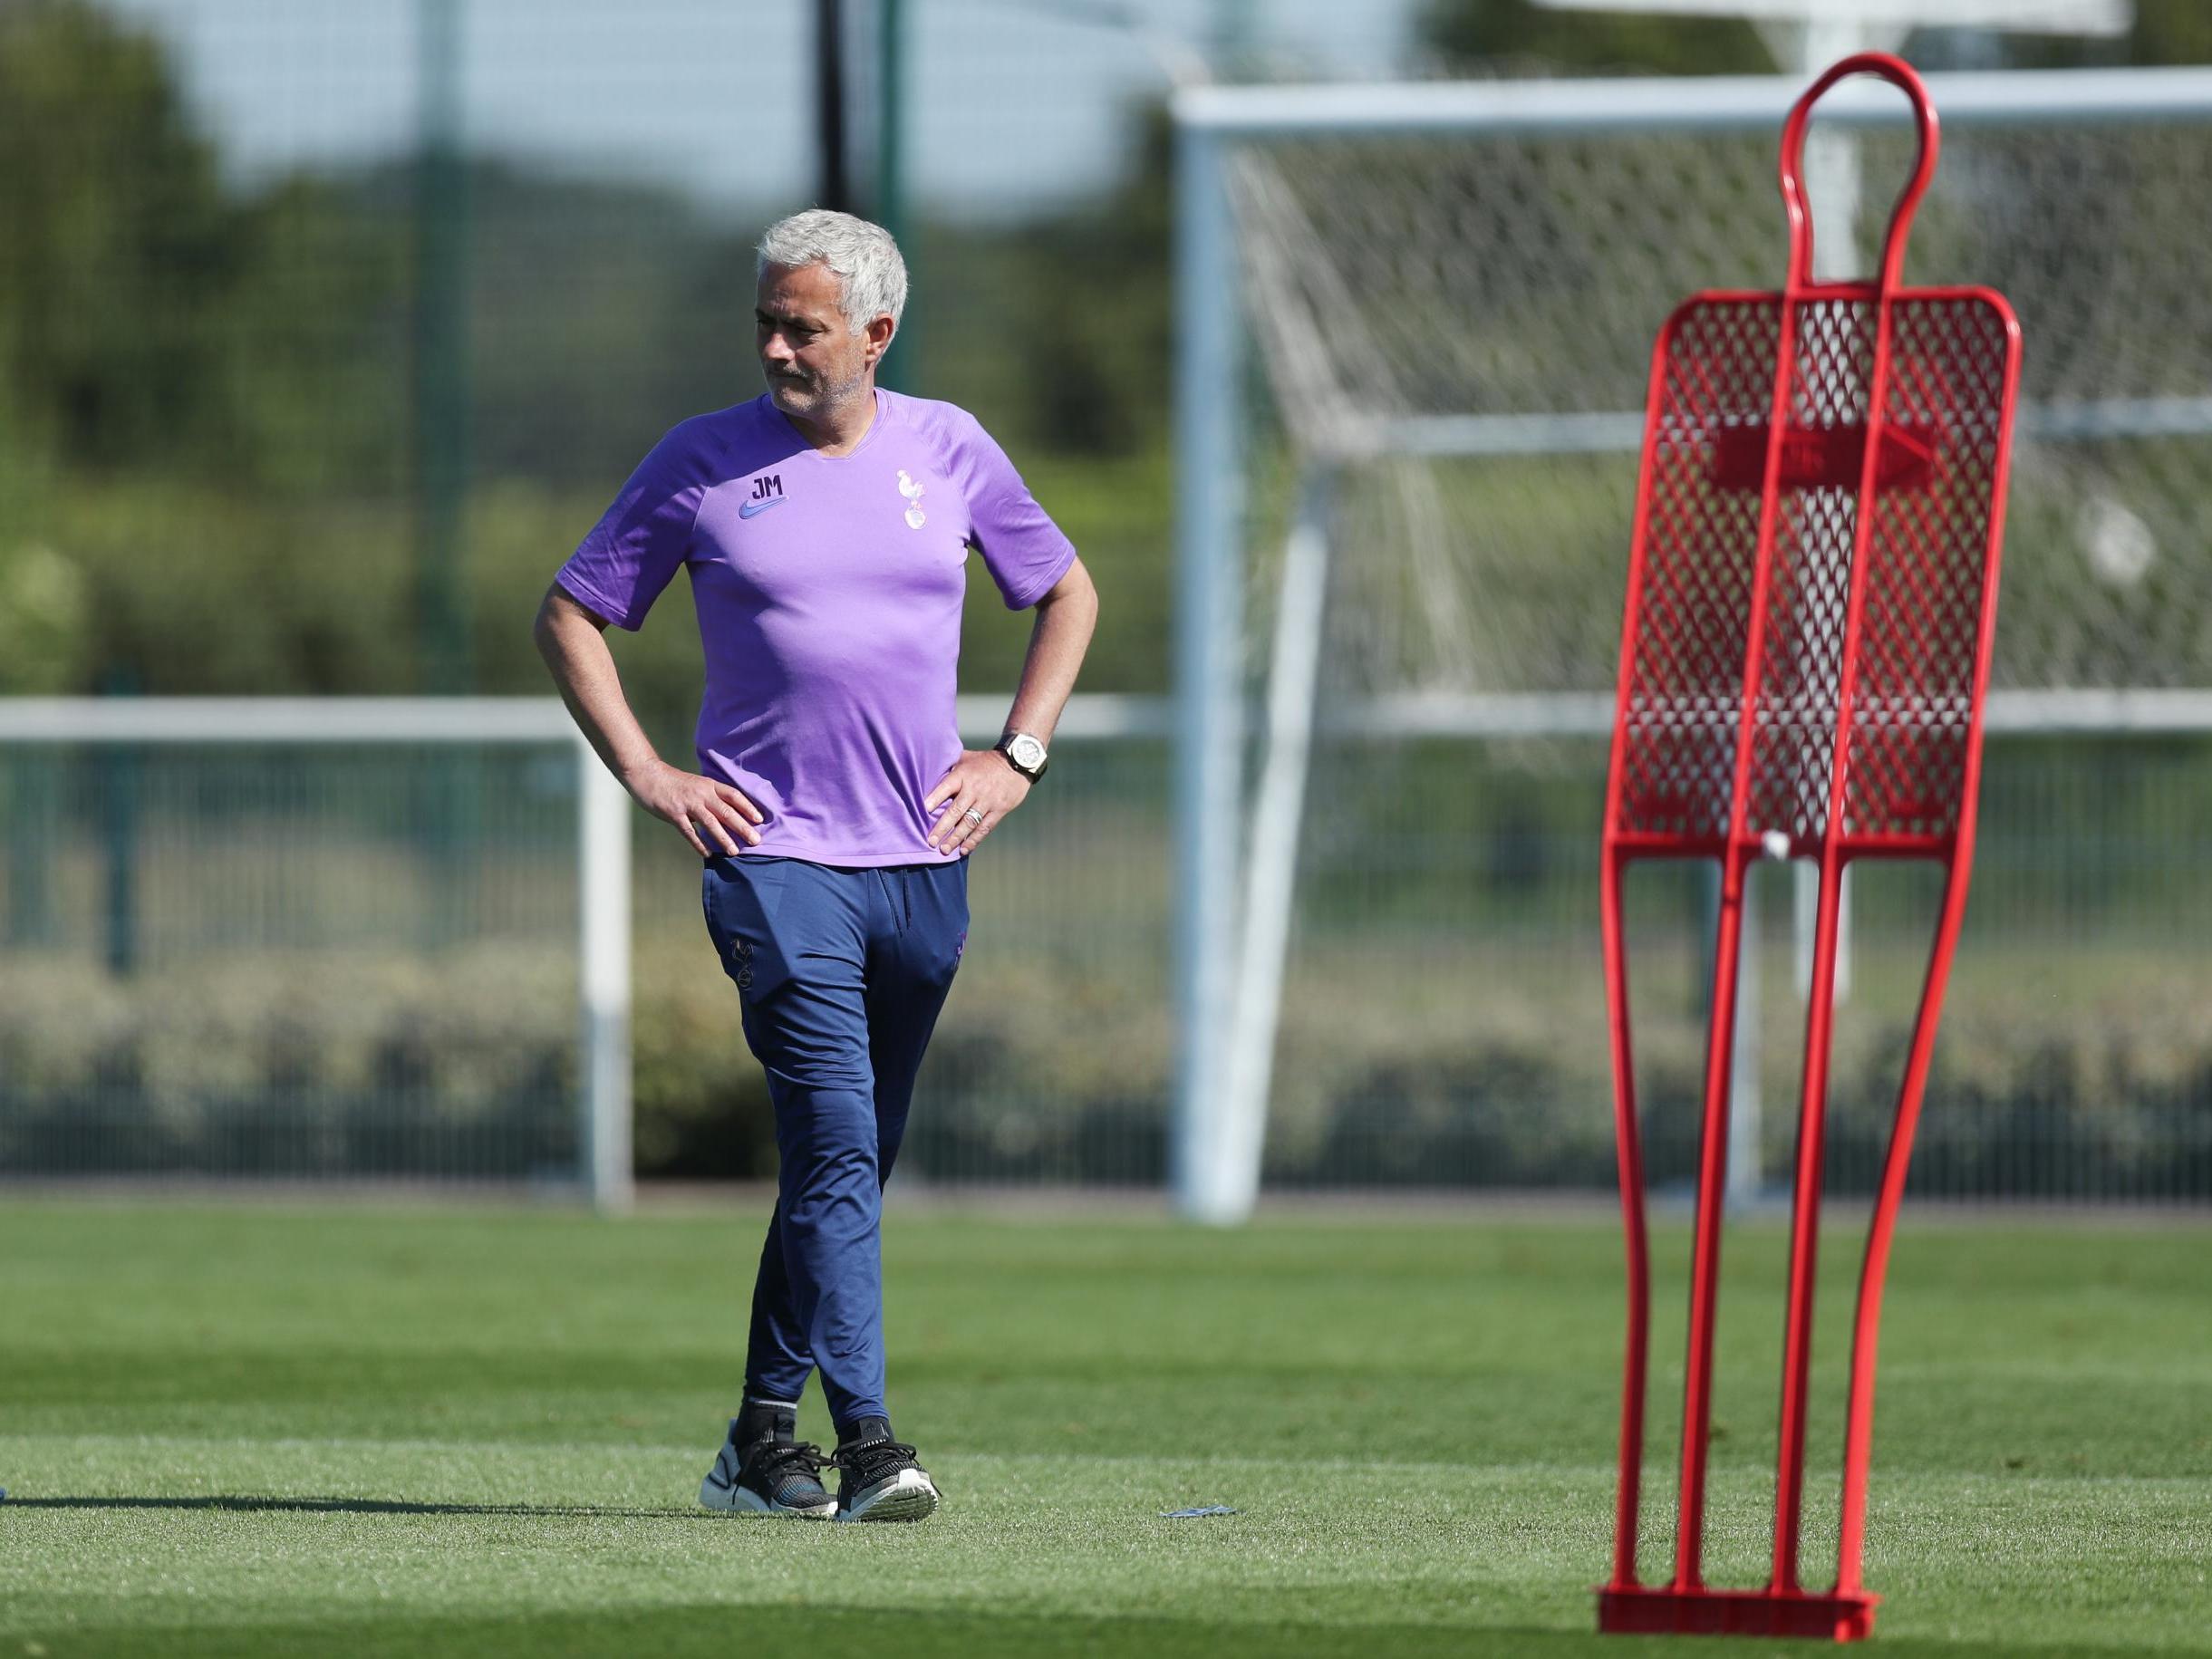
<point>1013,102</point>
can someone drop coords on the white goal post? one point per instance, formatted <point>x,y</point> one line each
<point>1255,258</point>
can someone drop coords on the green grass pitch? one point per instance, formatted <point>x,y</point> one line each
<point>332,1429</point>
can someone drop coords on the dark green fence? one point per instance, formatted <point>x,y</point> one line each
<point>364,964</point>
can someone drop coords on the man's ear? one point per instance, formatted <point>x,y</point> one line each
<point>879,333</point>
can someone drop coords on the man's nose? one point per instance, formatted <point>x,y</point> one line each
<point>777,349</point>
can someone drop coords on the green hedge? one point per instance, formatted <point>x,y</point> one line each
<point>1473,1067</point>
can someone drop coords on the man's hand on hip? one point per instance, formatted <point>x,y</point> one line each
<point>694,804</point>
<point>980,790</point>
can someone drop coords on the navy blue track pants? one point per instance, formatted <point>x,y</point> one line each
<point>841,973</point>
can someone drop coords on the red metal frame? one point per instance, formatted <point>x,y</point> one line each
<point>1810,666</point>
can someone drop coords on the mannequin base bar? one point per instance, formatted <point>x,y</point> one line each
<point>1663,1611</point>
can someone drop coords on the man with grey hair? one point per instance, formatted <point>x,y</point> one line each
<point>827,527</point>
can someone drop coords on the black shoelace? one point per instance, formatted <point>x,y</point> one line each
<point>871,1460</point>
<point>778,1462</point>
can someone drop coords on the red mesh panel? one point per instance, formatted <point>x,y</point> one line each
<point>1929,559</point>
<point>1935,493</point>
<point>1685,694</point>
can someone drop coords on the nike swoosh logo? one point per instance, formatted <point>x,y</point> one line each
<point>753,509</point>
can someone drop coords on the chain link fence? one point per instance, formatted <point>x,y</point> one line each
<point>361,964</point>
<point>291,961</point>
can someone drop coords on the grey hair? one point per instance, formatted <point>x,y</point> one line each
<point>871,275</point>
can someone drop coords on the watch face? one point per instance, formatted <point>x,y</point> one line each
<point>1026,751</point>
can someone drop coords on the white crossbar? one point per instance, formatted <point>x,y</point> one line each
<point>1706,103</point>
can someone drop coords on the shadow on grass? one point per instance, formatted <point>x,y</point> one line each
<point>358,1505</point>
<point>940,1633</point>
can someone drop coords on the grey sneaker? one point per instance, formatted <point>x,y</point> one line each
<point>878,1479</point>
<point>770,1473</point>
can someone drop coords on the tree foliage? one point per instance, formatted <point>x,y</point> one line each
<point>1509,34</point>
<point>209,388</point>
<point>118,252</point>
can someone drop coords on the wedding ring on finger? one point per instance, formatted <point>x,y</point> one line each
<point>973,813</point>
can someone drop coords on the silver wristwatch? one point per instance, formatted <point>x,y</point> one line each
<point>1024,753</point>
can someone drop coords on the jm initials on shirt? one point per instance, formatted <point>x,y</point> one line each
<point>768,492</point>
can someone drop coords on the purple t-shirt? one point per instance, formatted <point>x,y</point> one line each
<point>829,591</point>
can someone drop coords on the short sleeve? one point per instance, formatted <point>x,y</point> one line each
<point>1022,548</point>
<point>640,541</point>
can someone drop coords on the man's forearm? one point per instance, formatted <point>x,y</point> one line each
<point>584,671</point>
<point>1057,647</point>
